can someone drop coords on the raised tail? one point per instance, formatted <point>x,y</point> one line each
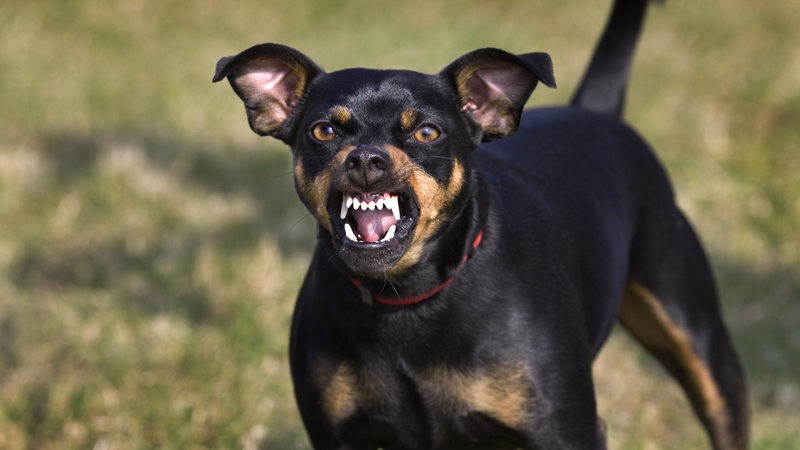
<point>603,86</point>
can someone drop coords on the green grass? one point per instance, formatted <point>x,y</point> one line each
<point>151,246</point>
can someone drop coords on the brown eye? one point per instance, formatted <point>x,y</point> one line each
<point>323,132</point>
<point>426,134</point>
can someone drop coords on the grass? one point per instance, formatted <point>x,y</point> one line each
<point>151,246</point>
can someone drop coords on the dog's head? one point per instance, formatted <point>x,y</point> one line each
<point>381,157</point>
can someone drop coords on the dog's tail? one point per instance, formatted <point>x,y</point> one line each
<point>605,80</point>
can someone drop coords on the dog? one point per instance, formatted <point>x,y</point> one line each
<point>472,258</point>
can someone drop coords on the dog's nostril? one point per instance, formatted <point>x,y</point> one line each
<point>366,166</point>
<point>352,162</point>
<point>370,159</point>
<point>377,162</point>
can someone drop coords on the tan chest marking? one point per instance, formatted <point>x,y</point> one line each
<point>502,392</point>
<point>340,389</point>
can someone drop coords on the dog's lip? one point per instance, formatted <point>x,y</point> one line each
<point>393,213</point>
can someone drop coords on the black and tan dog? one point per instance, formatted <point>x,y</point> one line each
<point>459,291</point>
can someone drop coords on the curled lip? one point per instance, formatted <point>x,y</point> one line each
<point>372,220</point>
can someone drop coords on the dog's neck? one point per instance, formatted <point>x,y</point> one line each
<point>369,297</point>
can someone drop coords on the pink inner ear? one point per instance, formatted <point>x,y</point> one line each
<point>478,93</point>
<point>485,95</point>
<point>491,83</point>
<point>491,93</point>
<point>269,82</point>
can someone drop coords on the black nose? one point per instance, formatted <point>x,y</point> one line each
<point>366,166</point>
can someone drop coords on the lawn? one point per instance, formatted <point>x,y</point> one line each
<point>151,246</point>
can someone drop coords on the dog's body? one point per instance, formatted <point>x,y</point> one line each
<point>457,298</point>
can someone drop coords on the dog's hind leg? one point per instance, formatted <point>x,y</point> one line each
<point>670,306</point>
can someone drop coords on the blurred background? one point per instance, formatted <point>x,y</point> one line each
<point>151,246</point>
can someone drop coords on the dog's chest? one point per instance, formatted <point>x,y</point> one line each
<point>432,403</point>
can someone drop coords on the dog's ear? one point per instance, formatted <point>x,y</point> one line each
<point>493,86</point>
<point>271,80</point>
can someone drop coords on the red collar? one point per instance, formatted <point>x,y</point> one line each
<point>369,297</point>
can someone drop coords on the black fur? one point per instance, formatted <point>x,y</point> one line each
<point>476,325</point>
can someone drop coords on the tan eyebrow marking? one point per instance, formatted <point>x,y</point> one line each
<point>408,119</point>
<point>341,115</point>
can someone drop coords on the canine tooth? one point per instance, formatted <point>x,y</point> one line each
<point>394,204</point>
<point>345,207</point>
<point>348,231</point>
<point>389,233</point>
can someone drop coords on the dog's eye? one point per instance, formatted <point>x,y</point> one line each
<point>426,133</point>
<point>323,132</point>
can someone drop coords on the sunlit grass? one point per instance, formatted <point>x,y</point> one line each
<point>151,246</point>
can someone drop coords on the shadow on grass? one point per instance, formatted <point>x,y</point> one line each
<point>159,277</point>
<point>763,312</point>
<point>89,282</point>
<point>264,173</point>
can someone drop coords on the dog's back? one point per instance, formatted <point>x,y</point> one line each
<point>670,301</point>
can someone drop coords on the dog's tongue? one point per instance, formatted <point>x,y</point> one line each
<point>373,224</point>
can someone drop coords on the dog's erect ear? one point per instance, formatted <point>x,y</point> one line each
<point>493,86</point>
<point>271,80</point>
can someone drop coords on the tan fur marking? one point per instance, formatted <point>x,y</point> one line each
<point>462,83</point>
<point>341,115</point>
<point>300,72</point>
<point>432,197</point>
<point>408,119</point>
<point>645,318</point>
<point>339,390</point>
<point>315,192</point>
<point>500,392</point>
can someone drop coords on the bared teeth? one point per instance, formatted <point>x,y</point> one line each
<point>386,201</point>
<point>390,233</point>
<point>348,231</point>
<point>393,204</point>
<point>346,202</point>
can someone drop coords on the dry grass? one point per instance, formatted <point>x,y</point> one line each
<point>151,247</point>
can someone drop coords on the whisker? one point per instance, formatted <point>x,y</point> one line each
<point>303,218</point>
<point>447,158</point>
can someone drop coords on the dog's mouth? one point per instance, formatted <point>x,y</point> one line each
<point>374,218</point>
<point>370,217</point>
<point>371,231</point>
